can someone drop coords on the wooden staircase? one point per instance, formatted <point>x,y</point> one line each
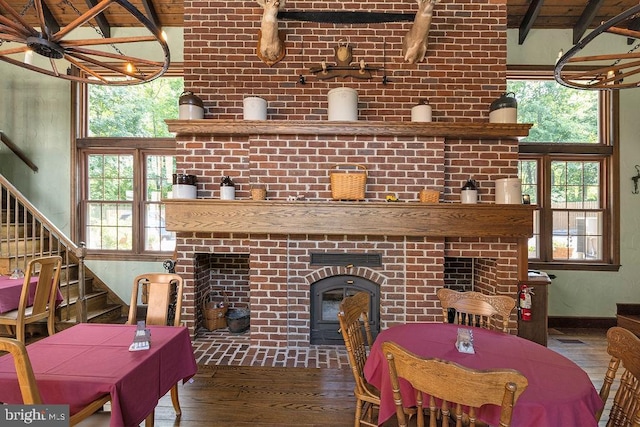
<point>25,234</point>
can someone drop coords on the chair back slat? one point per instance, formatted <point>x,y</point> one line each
<point>48,276</point>
<point>163,298</point>
<point>459,388</point>
<point>624,348</point>
<point>42,305</point>
<point>477,309</point>
<point>26,378</point>
<point>355,329</point>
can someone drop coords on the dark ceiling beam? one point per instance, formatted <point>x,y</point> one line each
<point>529,19</point>
<point>345,17</point>
<point>50,21</point>
<point>101,20</point>
<point>585,20</point>
<point>634,24</point>
<point>151,12</point>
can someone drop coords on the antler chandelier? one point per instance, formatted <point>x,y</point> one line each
<point>81,44</point>
<point>622,70</point>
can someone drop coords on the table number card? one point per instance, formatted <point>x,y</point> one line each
<point>142,338</point>
<point>464,342</point>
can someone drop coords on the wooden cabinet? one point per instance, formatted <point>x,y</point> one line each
<point>536,329</point>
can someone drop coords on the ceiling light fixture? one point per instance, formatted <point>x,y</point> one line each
<point>59,47</point>
<point>606,71</point>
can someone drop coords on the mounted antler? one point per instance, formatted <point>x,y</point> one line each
<point>270,44</point>
<point>414,45</point>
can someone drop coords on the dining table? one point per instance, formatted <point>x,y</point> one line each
<point>559,393</point>
<point>11,290</point>
<point>89,360</point>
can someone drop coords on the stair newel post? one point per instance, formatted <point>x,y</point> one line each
<point>81,304</point>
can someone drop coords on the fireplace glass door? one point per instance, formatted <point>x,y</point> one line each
<point>326,295</point>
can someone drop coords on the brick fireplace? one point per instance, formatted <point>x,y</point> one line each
<point>292,152</point>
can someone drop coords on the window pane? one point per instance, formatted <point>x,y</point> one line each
<point>558,113</point>
<point>577,221</point>
<point>109,226</point>
<point>528,174</point>
<point>159,179</point>
<point>134,111</point>
<point>157,238</point>
<point>160,170</point>
<point>110,177</point>
<point>575,185</point>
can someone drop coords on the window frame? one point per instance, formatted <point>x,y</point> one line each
<point>606,151</point>
<point>139,151</point>
<point>81,142</point>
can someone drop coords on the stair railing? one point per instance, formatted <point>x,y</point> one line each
<point>25,233</point>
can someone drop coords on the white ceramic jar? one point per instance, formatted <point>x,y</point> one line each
<point>343,104</point>
<point>421,112</point>
<point>254,108</point>
<point>508,191</point>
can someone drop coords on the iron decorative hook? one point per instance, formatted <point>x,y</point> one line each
<point>635,180</point>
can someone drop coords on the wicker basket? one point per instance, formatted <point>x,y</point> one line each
<point>214,316</point>
<point>429,196</point>
<point>348,184</point>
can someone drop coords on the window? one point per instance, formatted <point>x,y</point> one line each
<point>112,208</point>
<point>126,165</point>
<point>567,166</point>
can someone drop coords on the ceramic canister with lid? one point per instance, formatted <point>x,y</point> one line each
<point>469,192</point>
<point>504,109</point>
<point>184,186</point>
<point>227,189</point>
<point>190,107</point>
<point>421,112</point>
<point>343,104</point>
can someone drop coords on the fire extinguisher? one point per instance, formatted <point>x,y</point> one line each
<point>524,302</point>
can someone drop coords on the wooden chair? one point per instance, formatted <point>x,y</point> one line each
<point>162,294</point>
<point>624,347</point>
<point>47,269</point>
<point>476,309</point>
<point>461,390</point>
<point>353,318</point>
<point>29,387</point>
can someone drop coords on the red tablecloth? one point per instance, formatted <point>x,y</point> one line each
<point>559,392</point>
<point>10,290</point>
<point>86,361</point>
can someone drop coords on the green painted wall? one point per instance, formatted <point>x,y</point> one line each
<point>35,112</point>
<point>595,294</point>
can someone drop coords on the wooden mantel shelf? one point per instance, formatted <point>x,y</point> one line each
<point>349,218</point>
<point>457,130</point>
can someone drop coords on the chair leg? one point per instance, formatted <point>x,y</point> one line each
<point>150,420</point>
<point>358,413</point>
<point>20,332</point>
<point>51,325</point>
<point>175,400</point>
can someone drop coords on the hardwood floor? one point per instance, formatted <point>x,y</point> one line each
<point>286,393</point>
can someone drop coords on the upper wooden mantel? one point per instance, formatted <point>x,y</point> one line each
<point>457,130</point>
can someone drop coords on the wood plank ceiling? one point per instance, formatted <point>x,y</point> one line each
<point>578,15</point>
